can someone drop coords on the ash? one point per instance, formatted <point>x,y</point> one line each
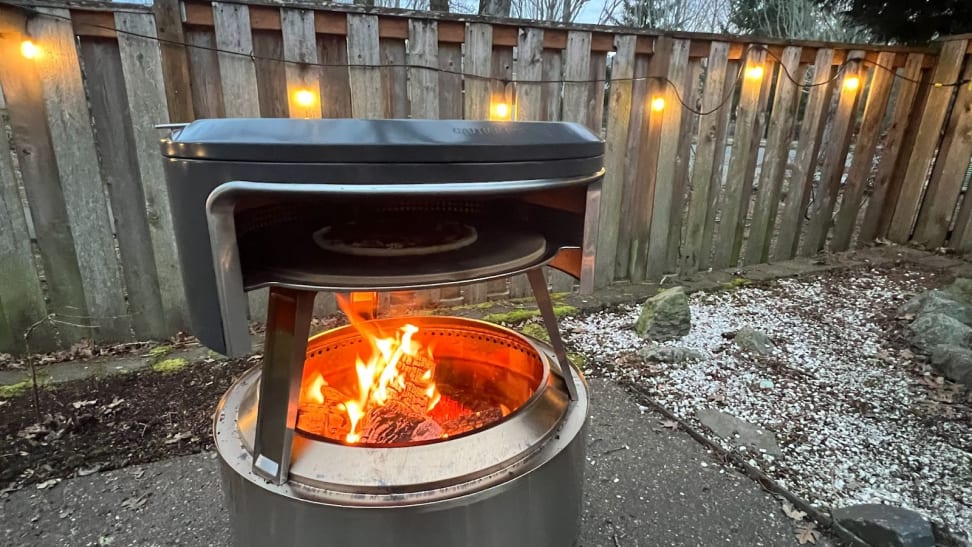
<point>858,417</point>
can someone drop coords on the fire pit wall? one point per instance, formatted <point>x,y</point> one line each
<point>479,438</point>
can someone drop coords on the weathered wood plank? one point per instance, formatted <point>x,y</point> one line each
<point>612,188</point>
<point>115,142</point>
<point>811,127</point>
<point>207,95</point>
<point>948,68</point>
<point>529,67</point>
<point>21,298</point>
<point>595,94</point>
<point>501,91</point>
<point>734,197</point>
<point>867,140</point>
<point>335,81</point>
<point>31,138</point>
<point>270,75</point>
<point>142,67</point>
<point>759,129</point>
<point>551,93</point>
<point>450,84</point>
<point>77,163</point>
<point>777,153</point>
<point>639,101</point>
<point>366,95</point>
<point>237,73</point>
<point>682,162</point>
<point>707,157</point>
<point>300,46</point>
<point>641,208</point>
<point>719,173</point>
<point>478,62</point>
<point>577,62</point>
<point>423,85</point>
<point>880,204</point>
<point>394,80</point>
<point>665,183</point>
<point>175,60</point>
<point>835,160</point>
<point>951,164</point>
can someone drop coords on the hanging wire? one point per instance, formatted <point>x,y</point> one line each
<point>505,81</point>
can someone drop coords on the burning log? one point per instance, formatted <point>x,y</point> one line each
<point>472,421</point>
<point>396,423</point>
<point>327,419</point>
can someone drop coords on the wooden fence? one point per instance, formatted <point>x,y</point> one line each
<point>720,150</point>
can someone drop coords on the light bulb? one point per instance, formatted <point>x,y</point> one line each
<point>658,104</point>
<point>851,83</point>
<point>305,98</point>
<point>754,72</point>
<point>501,111</point>
<point>29,49</point>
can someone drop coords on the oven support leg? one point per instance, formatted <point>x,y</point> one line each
<point>284,351</point>
<point>539,285</point>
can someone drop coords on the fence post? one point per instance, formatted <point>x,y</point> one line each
<point>175,61</point>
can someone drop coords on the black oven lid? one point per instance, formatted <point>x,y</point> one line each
<point>284,140</point>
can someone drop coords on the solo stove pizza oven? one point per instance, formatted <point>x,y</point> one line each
<point>391,431</point>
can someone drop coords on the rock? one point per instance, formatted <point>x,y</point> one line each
<point>961,288</point>
<point>728,426</point>
<point>754,341</point>
<point>942,302</point>
<point>879,524</point>
<point>953,362</point>
<point>665,316</point>
<point>933,329</point>
<point>670,354</point>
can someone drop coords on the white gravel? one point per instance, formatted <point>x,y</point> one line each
<point>859,418</point>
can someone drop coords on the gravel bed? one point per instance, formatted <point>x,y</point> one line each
<point>859,418</point>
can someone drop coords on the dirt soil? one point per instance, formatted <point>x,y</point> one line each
<point>111,422</point>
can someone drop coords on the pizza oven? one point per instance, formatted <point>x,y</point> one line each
<point>425,430</point>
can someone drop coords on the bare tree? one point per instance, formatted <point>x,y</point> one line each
<point>689,15</point>
<point>549,10</point>
<point>794,19</point>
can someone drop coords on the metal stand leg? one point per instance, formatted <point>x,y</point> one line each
<point>284,351</point>
<point>540,292</point>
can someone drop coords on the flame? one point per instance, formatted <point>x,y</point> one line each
<point>383,375</point>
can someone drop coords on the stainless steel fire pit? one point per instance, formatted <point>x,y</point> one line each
<point>434,431</point>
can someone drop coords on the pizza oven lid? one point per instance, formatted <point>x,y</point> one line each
<point>283,140</point>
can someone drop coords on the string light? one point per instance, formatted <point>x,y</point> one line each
<point>658,104</point>
<point>29,49</point>
<point>499,111</point>
<point>754,72</point>
<point>851,83</point>
<point>305,98</point>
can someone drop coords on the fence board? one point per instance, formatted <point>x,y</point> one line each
<point>21,297</point>
<point>577,61</point>
<point>884,194</point>
<point>21,86</point>
<point>665,183</point>
<point>501,68</point>
<point>175,60</point>
<point>335,81</point>
<point>947,70</point>
<point>393,78</point>
<point>115,143</point>
<point>300,46</point>
<point>612,188</point>
<point>207,95</point>
<point>759,129</point>
<point>595,109</point>
<point>450,85</point>
<point>682,163</point>
<point>639,101</point>
<point>776,156</point>
<point>77,162</point>
<point>720,167</point>
<point>423,85</point>
<point>366,96</point>
<point>867,139</point>
<point>951,165</point>
<point>735,197</point>
<point>477,61</point>
<point>811,127</point>
<point>551,93</point>
<point>835,160</point>
<point>237,73</point>
<point>529,67</point>
<point>271,77</point>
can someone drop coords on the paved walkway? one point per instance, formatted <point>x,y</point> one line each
<point>664,489</point>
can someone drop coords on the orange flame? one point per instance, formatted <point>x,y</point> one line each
<point>387,374</point>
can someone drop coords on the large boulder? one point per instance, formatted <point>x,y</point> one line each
<point>934,329</point>
<point>886,525</point>
<point>953,362</point>
<point>961,289</point>
<point>753,341</point>
<point>945,303</point>
<point>665,316</point>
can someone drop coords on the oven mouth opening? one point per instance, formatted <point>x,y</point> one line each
<point>466,376</point>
